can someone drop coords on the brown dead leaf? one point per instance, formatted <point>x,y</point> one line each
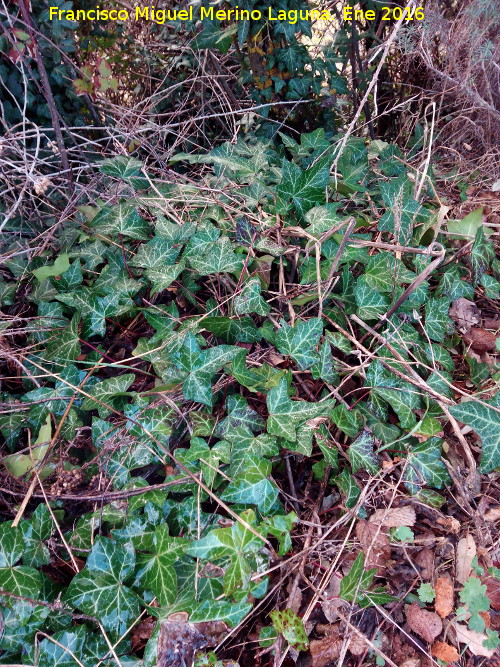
<point>142,632</point>
<point>394,517</point>
<point>474,640</point>
<point>411,662</point>
<point>375,545</point>
<point>466,551</point>
<point>464,313</point>
<point>444,596</point>
<point>425,623</point>
<point>326,650</point>
<point>492,515</point>
<point>492,591</point>
<point>445,652</point>
<point>179,640</point>
<point>426,561</point>
<point>357,644</point>
<point>449,523</point>
<point>481,340</point>
<point>333,602</point>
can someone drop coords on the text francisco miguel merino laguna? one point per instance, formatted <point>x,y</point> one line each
<point>160,16</point>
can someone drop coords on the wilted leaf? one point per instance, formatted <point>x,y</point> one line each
<point>326,650</point>
<point>445,652</point>
<point>425,623</point>
<point>465,554</point>
<point>444,596</point>
<point>394,517</point>
<point>375,545</point>
<point>474,640</point>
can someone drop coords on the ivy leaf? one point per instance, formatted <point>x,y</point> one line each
<point>437,321</point>
<point>233,330</point>
<point>481,256</point>
<point>221,258</point>
<point>35,532</point>
<point>249,300</point>
<point>252,487</point>
<point>235,542</point>
<point>402,209</point>
<point>219,610</point>
<point>356,581</point>
<point>240,414</point>
<point>348,487</point>
<point>288,624</point>
<point>485,421</point>
<point>371,304</point>
<point>324,368</point>
<point>256,379</point>
<point>361,454</point>
<point>19,580</point>
<point>123,219</point>
<point>156,253</point>
<point>201,366</point>
<point>157,573</point>
<point>305,189</point>
<point>286,415</point>
<point>424,466</point>
<point>121,166</point>
<point>348,421</point>
<point>300,341</point>
<point>98,590</point>
<point>106,391</point>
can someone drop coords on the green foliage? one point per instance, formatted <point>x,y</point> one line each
<point>187,366</point>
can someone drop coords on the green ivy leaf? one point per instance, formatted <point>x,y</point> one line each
<point>249,300</point>
<point>300,341</point>
<point>98,590</point>
<point>424,466</point>
<point>220,258</point>
<point>106,391</point>
<point>303,189</point>
<point>233,330</point>
<point>484,419</point>
<point>35,532</point>
<point>361,454</point>
<point>286,415</point>
<point>252,487</point>
<point>157,573</point>
<point>371,304</point>
<point>123,219</point>
<point>288,624</point>
<point>437,321</point>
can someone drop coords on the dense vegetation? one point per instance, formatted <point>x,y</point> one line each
<point>249,371</point>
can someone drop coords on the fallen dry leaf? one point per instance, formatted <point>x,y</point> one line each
<point>466,551</point>
<point>464,313</point>
<point>443,603</point>
<point>480,340</point>
<point>375,545</point>
<point>394,517</point>
<point>492,591</point>
<point>358,644</point>
<point>492,514</point>
<point>426,561</point>
<point>324,651</point>
<point>425,623</point>
<point>333,602</point>
<point>179,640</point>
<point>474,640</point>
<point>445,652</point>
<point>449,523</point>
<point>411,662</point>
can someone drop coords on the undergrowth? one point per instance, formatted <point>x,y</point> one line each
<point>186,360</point>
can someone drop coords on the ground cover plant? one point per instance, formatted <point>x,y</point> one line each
<point>249,406</point>
<point>185,347</point>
